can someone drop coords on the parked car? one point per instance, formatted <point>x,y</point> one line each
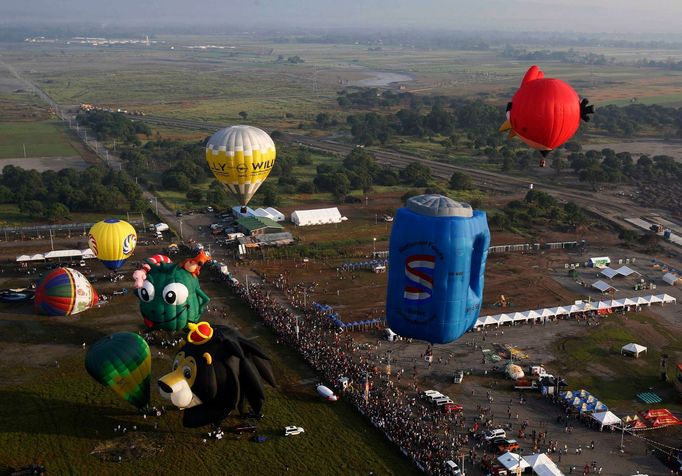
<point>459,376</point>
<point>508,445</point>
<point>490,435</point>
<point>451,407</point>
<point>428,394</point>
<point>387,218</point>
<point>293,430</point>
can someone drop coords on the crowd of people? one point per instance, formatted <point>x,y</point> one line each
<point>427,436</point>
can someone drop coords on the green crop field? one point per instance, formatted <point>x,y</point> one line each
<point>42,139</point>
<point>55,414</point>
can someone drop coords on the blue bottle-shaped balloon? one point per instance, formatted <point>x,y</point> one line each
<point>437,253</point>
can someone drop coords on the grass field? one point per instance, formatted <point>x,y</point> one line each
<point>613,378</point>
<point>58,416</point>
<point>42,139</point>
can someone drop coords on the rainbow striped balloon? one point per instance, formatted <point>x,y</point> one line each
<point>64,292</point>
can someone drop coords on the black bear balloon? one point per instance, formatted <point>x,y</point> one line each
<point>214,373</point>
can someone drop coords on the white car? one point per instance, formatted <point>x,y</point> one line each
<point>293,430</point>
<point>490,435</point>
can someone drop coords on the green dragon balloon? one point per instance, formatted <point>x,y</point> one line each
<point>170,297</point>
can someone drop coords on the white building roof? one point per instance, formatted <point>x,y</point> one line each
<point>511,460</point>
<point>670,278</point>
<point>609,272</point>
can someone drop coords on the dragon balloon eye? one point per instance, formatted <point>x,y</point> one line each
<point>146,292</point>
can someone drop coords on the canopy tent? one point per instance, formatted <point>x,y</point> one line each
<point>511,460</point>
<point>559,311</point>
<point>626,271</point>
<point>320,216</point>
<point>609,273</point>
<point>606,418</point>
<point>672,279</point>
<point>665,298</point>
<point>270,213</point>
<point>530,315</point>
<point>542,465</point>
<point>502,318</point>
<point>633,348</point>
<point>603,287</point>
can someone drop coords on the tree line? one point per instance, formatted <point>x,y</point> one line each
<point>113,126</point>
<point>53,195</point>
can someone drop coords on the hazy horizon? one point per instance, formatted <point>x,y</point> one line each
<point>620,17</point>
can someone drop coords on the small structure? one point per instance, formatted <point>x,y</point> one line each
<point>633,349</point>
<point>599,262</point>
<point>622,271</point>
<point>606,418</point>
<point>551,385</point>
<point>258,226</point>
<point>542,465</point>
<point>237,212</point>
<point>275,239</point>
<point>321,216</point>
<point>270,213</point>
<point>672,279</point>
<point>512,460</point>
<point>603,287</point>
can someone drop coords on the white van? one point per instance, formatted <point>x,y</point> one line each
<point>452,468</point>
<point>442,401</point>
<point>391,336</point>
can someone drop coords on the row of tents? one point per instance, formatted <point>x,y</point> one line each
<point>583,401</point>
<point>371,264</point>
<point>329,312</point>
<point>80,254</point>
<point>578,307</point>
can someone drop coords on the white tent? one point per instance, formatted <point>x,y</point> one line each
<point>530,315</point>
<point>64,254</point>
<point>654,299</point>
<point>511,460</point>
<point>671,279</point>
<point>316,217</point>
<point>665,298</point>
<point>87,254</point>
<point>544,312</point>
<point>542,465</point>
<point>559,311</point>
<point>21,258</point>
<point>603,287</point>
<point>609,273</point>
<point>275,214</point>
<point>502,318</point>
<point>606,418</point>
<point>519,316</point>
<point>633,348</point>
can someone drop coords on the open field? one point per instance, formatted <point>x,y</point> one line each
<point>66,420</point>
<point>41,139</point>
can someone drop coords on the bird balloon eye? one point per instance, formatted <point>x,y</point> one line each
<point>187,373</point>
<point>175,293</point>
<point>146,292</point>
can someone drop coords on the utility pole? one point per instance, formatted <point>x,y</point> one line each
<point>24,150</point>
<point>51,241</point>
<point>181,236</point>
<point>247,285</point>
<point>374,247</point>
<point>297,327</point>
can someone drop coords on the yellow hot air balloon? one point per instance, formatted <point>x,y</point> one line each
<point>241,157</point>
<point>112,241</point>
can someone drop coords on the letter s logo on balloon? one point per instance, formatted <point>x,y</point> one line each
<point>92,242</point>
<point>419,278</point>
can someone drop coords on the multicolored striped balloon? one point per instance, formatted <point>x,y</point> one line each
<point>112,241</point>
<point>64,292</point>
<point>122,361</point>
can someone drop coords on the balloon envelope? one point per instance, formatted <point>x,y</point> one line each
<point>112,241</point>
<point>437,254</point>
<point>63,292</point>
<point>241,157</point>
<point>545,112</point>
<point>123,362</point>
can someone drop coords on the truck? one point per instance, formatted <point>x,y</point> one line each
<point>656,228</point>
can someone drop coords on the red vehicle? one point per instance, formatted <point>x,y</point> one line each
<point>451,407</point>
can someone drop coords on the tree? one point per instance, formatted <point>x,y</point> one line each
<point>270,197</point>
<point>460,181</point>
<point>416,174</point>
<point>56,211</point>
<point>558,164</point>
<point>195,195</point>
<point>32,208</point>
<point>243,115</point>
<point>628,236</point>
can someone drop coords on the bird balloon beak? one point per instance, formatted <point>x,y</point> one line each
<point>506,126</point>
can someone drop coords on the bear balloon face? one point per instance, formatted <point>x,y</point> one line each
<point>170,297</point>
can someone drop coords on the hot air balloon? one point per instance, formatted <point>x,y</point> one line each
<point>64,291</point>
<point>545,112</point>
<point>122,361</point>
<point>241,157</point>
<point>112,241</point>
<point>437,254</point>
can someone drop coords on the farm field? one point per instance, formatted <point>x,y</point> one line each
<point>42,139</point>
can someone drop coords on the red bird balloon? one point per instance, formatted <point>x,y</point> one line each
<point>545,112</point>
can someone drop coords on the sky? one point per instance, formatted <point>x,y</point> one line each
<point>623,17</point>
